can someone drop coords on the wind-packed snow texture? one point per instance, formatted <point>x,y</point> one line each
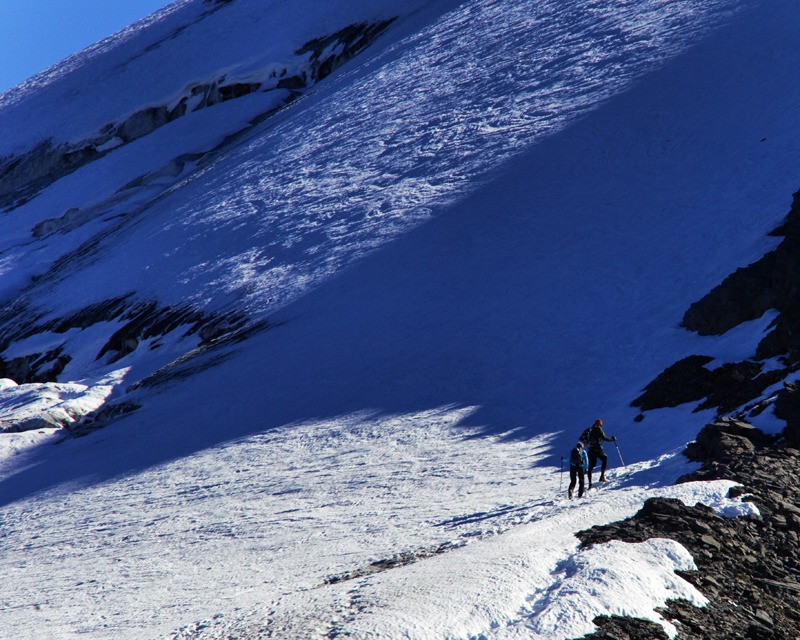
<point>460,248</point>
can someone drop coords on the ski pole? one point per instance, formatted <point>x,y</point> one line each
<point>618,453</point>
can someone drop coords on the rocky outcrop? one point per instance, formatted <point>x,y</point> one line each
<point>35,367</point>
<point>747,567</point>
<point>329,53</point>
<point>22,176</point>
<point>138,323</point>
<point>771,283</point>
<point>727,387</point>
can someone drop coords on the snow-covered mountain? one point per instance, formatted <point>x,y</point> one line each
<point>331,288</point>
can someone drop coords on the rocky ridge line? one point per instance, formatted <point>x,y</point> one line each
<point>748,568</point>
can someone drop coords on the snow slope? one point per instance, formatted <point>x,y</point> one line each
<point>455,252</point>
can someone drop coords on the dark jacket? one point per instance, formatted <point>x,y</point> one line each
<point>597,437</point>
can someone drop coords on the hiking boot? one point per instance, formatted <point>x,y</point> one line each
<point>602,478</point>
<point>569,493</point>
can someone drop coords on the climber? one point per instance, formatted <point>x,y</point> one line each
<point>595,437</point>
<point>578,464</point>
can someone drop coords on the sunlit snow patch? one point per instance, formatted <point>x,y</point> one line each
<point>644,572</point>
<point>52,405</point>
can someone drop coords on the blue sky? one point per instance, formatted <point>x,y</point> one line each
<point>35,34</point>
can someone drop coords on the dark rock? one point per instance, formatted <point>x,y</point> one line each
<point>619,628</point>
<point>142,122</point>
<point>723,439</point>
<point>787,407</point>
<point>727,387</point>
<point>397,560</point>
<point>293,83</point>
<point>141,321</point>
<point>237,90</point>
<point>685,381</point>
<point>35,367</point>
<point>771,283</point>
<point>340,47</point>
<point>24,175</point>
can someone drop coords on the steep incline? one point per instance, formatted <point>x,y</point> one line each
<point>237,227</point>
<point>343,313</point>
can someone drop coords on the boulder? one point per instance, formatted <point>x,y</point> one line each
<point>723,439</point>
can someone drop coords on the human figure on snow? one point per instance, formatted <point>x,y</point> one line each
<point>594,437</point>
<point>578,464</point>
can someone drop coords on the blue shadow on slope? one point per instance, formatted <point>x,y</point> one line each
<point>498,303</point>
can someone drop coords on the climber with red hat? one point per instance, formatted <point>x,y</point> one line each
<point>594,437</point>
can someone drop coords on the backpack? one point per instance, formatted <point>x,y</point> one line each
<point>585,436</point>
<point>575,457</point>
<point>596,436</point>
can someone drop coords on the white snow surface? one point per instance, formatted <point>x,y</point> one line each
<point>250,530</point>
<point>467,243</point>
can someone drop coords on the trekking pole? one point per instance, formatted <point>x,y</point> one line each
<point>561,475</point>
<point>618,453</point>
